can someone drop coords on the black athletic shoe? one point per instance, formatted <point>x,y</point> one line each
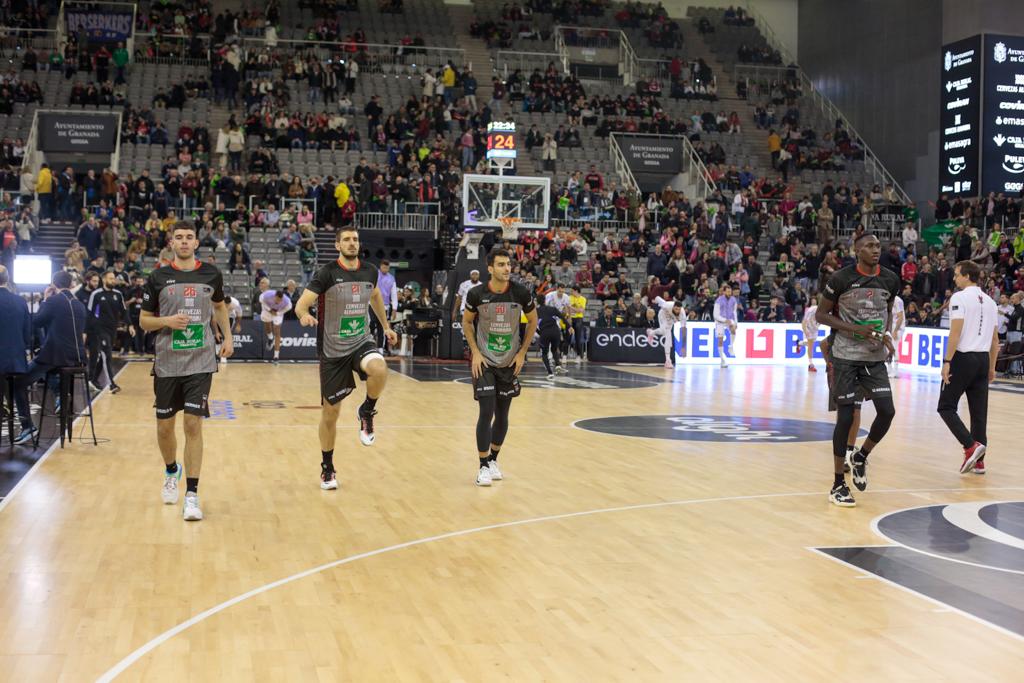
<point>366,436</point>
<point>328,482</point>
<point>858,463</point>
<point>840,495</point>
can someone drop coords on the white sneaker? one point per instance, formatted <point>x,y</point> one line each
<point>578,360</point>
<point>559,370</point>
<point>483,476</point>
<point>551,375</point>
<point>492,466</point>
<point>328,479</point>
<point>223,360</point>
<point>724,364</point>
<point>366,433</point>
<point>192,512</point>
<point>170,490</point>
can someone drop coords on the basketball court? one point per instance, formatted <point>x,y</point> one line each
<point>652,525</point>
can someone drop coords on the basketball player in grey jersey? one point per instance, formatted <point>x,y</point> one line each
<point>491,326</point>
<point>857,305</point>
<point>178,303</point>
<point>344,292</point>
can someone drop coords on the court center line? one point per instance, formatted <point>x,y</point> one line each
<point>56,442</point>
<point>148,647</point>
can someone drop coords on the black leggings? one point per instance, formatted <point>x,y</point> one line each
<point>492,425</point>
<point>550,340</point>
<point>885,411</point>
<point>968,374</point>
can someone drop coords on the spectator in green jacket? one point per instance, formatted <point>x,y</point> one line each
<point>120,58</point>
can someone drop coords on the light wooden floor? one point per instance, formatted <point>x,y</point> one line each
<point>712,582</point>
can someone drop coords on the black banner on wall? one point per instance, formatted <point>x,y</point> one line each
<point>68,132</point>
<point>103,26</point>
<point>297,342</point>
<point>959,118</point>
<point>654,159</point>
<point>1003,128</point>
<point>624,345</point>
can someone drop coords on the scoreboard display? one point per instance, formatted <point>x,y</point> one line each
<point>959,170</point>
<point>1002,147</point>
<point>501,140</point>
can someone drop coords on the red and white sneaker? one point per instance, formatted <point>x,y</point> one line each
<point>971,456</point>
<point>979,467</point>
<point>811,368</point>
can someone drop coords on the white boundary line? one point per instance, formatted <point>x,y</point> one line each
<point>148,647</point>
<point>945,607</point>
<point>878,532</point>
<point>56,442</point>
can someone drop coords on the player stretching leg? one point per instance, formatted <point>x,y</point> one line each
<point>344,292</point>
<point>899,328</point>
<point>274,304</point>
<point>669,313</point>
<point>725,319</point>
<point>810,325</point>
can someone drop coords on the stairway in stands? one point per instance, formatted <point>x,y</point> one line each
<point>53,239</point>
<point>326,253</point>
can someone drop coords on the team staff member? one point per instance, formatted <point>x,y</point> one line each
<point>857,305</point>
<point>550,333</point>
<point>344,293</point>
<point>63,317</point>
<point>15,335</point>
<point>970,363</point>
<point>134,304</point>
<point>491,326</point>
<point>108,311</point>
<point>577,307</point>
<point>180,300</point>
<point>559,300</point>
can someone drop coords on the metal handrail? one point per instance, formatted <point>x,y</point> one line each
<point>503,57</point>
<point>621,165</point>
<point>562,49</point>
<point>441,53</point>
<point>695,168</point>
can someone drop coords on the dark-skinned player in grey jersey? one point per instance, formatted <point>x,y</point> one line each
<point>857,304</point>
<point>178,303</point>
<point>491,327</point>
<point>344,292</point>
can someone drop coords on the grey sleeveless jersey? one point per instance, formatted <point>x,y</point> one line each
<point>170,291</point>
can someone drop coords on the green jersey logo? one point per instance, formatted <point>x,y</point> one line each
<point>192,337</point>
<point>499,343</point>
<point>354,326</point>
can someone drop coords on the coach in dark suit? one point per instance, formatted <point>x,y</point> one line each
<point>16,331</point>
<point>62,316</point>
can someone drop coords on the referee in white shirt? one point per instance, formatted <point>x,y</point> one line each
<point>970,363</point>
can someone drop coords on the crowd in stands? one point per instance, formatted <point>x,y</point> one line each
<point>749,54</point>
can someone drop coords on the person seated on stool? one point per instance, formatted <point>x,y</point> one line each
<point>15,333</point>
<point>63,317</point>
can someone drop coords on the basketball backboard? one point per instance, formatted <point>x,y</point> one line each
<point>488,199</point>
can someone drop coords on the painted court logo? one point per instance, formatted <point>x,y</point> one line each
<point>721,428</point>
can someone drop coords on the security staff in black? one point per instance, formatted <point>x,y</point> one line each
<point>491,327</point>
<point>107,309</point>
<point>179,301</point>
<point>969,363</point>
<point>344,293</point>
<point>857,304</point>
<point>550,333</point>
